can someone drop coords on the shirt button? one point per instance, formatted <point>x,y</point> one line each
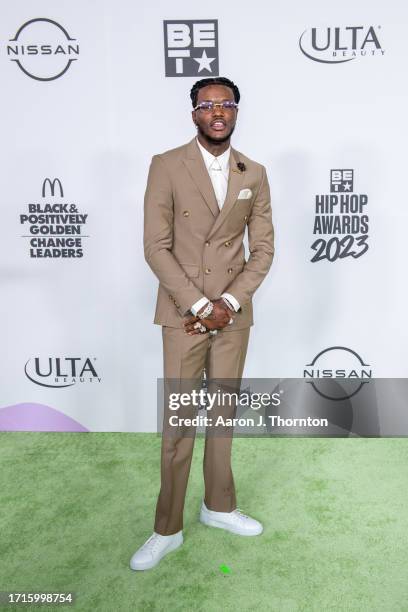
<point>185,213</point>
<point>229,270</point>
<point>228,243</point>
<point>207,242</point>
<point>207,271</point>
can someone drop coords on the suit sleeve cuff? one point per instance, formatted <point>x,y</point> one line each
<point>234,303</point>
<point>198,305</point>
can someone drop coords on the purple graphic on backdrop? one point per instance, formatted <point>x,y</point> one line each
<point>36,417</point>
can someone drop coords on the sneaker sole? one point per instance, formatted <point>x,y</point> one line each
<point>151,564</point>
<point>213,523</point>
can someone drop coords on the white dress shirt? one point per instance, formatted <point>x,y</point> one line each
<point>218,169</point>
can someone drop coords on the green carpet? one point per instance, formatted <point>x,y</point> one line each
<point>75,507</point>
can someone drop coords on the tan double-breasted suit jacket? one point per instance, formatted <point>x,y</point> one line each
<point>195,249</point>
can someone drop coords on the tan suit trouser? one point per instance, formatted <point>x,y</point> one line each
<point>185,357</point>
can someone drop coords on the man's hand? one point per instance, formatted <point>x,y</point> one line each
<point>189,325</point>
<point>221,302</point>
<point>218,319</point>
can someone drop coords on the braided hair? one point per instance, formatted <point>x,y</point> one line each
<point>213,81</point>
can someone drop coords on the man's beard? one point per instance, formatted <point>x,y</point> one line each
<point>215,140</point>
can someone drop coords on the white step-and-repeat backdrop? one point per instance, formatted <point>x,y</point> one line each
<point>91,90</point>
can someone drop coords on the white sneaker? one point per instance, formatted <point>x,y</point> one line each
<point>154,549</point>
<point>234,521</point>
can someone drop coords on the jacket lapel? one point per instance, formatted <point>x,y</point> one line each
<point>235,180</point>
<point>199,174</point>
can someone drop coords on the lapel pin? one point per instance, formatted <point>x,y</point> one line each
<point>241,166</point>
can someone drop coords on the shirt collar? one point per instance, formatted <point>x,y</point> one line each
<point>208,157</point>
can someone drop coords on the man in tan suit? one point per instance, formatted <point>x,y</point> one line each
<point>200,198</point>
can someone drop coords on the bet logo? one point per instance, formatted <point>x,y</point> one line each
<point>191,48</point>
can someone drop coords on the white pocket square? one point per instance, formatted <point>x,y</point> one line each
<point>245,194</point>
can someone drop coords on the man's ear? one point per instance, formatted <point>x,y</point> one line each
<point>193,116</point>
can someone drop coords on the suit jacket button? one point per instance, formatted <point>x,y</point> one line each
<point>207,242</point>
<point>185,213</point>
<point>176,305</point>
<point>246,218</point>
<point>207,271</point>
<point>228,243</point>
<point>229,270</point>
